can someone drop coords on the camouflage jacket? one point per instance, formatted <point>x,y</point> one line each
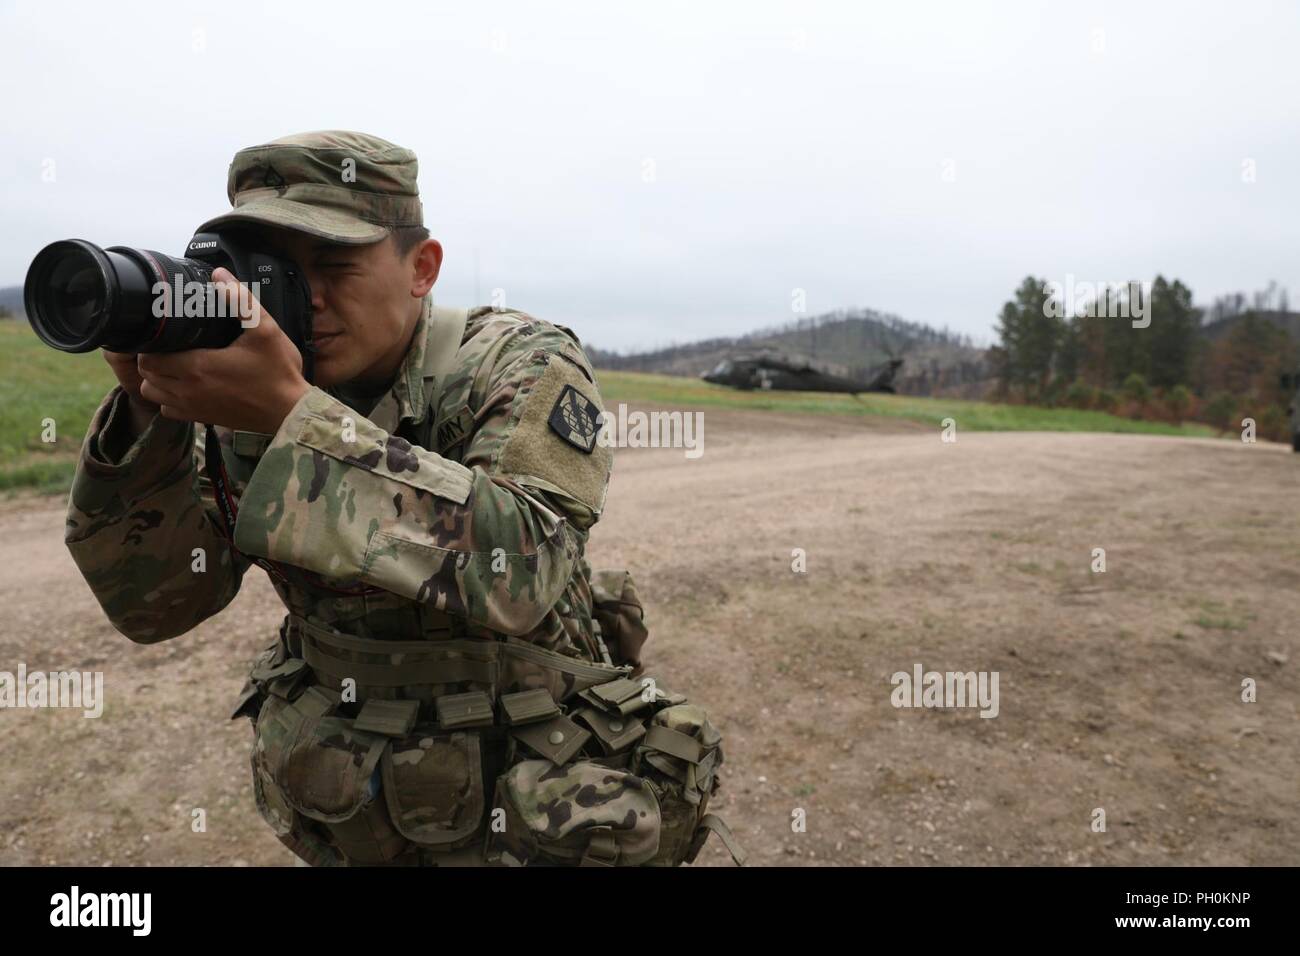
<point>466,495</point>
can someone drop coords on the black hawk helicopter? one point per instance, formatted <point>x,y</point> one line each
<point>786,375</point>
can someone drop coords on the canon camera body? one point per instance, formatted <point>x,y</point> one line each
<point>81,297</point>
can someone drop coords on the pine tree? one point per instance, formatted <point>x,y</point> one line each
<point>1030,334</point>
<point>1172,335</point>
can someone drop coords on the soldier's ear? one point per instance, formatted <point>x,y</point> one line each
<point>426,263</point>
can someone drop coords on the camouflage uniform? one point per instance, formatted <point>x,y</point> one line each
<point>444,626</point>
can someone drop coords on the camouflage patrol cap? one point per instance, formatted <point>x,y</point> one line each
<point>337,185</point>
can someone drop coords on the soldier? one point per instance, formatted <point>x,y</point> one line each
<point>1291,383</point>
<point>451,684</point>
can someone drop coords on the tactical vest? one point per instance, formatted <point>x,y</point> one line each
<point>452,749</point>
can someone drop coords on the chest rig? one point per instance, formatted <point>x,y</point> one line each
<point>401,750</point>
<point>385,646</point>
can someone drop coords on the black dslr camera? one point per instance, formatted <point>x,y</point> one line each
<point>80,297</point>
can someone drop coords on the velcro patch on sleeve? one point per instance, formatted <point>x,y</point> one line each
<point>556,437</point>
<point>574,419</point>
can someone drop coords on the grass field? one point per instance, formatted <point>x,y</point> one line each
<point>670,390</point>
<point>38,383</point>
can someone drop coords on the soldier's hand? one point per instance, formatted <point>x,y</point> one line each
<point>252,384</point>
<point>141,410</point>
<point>123,365</point>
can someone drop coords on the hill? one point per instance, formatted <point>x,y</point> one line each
<point>1288,322</point>
<point>846,342</point>
<point>851,342</point>
<point>11,298</point>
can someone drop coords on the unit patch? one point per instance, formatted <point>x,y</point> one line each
<point>574,419</point>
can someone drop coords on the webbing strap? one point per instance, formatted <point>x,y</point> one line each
<point>713,822</point>
<point>451,671</point>
<point>347,643</point>
<point>449,332</point>
<point>672,742</point>
<point>602,848</point>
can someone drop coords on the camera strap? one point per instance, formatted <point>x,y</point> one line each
<point>229,513</point>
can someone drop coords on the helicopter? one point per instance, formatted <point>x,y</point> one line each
<point>786,375</point>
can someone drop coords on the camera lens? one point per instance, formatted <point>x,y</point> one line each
<point>69,289</point>
<point>81,297</point>
<point>76,292</point>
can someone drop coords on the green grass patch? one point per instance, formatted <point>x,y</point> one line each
<point>52,477</point>
<point>672,390</point>
<point>1210,623</point>
<point>1215,616</point>
<point>39,383</point>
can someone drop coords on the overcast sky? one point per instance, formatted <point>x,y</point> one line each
<point>657,172</point>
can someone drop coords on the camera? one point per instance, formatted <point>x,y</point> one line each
<point>80,297</point>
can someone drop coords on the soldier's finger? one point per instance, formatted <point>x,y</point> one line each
<point>240,300</point>
<point>123,366</point>
<point>166,365</point>
<point>151,391</point>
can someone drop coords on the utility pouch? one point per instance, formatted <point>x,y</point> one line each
<point>320,764</point>
<point>579,814</point>
<point>433,785</point>
<point>679,756</point>
<point>616,607</point>
<point>272,671</point>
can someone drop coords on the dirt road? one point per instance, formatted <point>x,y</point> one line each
<point>1119,691</point>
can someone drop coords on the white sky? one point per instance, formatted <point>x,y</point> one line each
<point>794,145</point>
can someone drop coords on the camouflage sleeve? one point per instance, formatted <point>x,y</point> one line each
<point>135,521</point>
<point>494,539</point>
